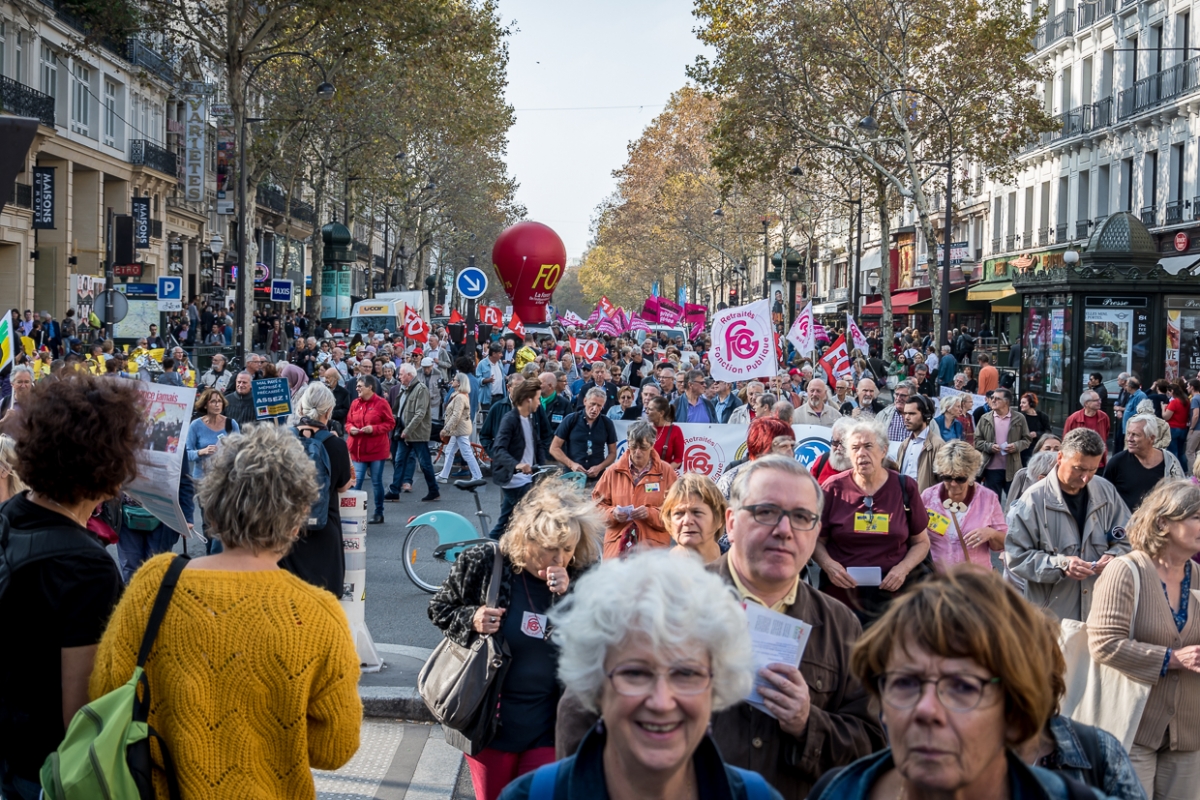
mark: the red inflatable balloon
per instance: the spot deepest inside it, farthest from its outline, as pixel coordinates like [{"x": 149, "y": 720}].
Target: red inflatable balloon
[{"x": 529, "y": 259}]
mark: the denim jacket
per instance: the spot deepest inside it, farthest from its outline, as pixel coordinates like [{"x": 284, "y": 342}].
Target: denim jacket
[
  {"x": 1027, "y": 783},
  {"x": 1113, "y": 773}
]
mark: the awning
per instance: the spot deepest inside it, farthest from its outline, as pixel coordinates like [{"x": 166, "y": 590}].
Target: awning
[
  {"x": 901, "y": 301},
  {"x": 1007, "y": 305},
  {"x": 991, "y": 291},
  {"x": 870, "y": 259},
  {"x": 827, "y": 308},
  {"x": 1177, "y": 264},
  {"x": 960, "y": 303}
]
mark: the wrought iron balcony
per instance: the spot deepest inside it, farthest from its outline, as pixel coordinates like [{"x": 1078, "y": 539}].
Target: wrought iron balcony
[
  {"x": 1059, "y": 27},
  {"x": 1174, "y": 212},
  {"x": 1159, "y": 88},
  {"x": 17, "y": 98},
  {"x": 1081, "y": 229},
  {"x": 277, "y": 201},
  {"x": 1060, "y": 233},
  {"x": 145, "y": 153},
  {"x": 1088, "y": 13},
  {"x": 1149, "y": 216},
  {"x": 140, "y": 54}
]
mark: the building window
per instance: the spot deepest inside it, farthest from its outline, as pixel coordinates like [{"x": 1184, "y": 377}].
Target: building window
[
  {"x": 19, "y": 56},
  {"x": 49, "y": 64},
  {"x": 110, "y": 113},
  {"x": 3, "y": 47},
  {"x": 81, "y": 105}
]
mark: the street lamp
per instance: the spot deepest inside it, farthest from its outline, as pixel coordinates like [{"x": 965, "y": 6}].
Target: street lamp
[
  {"x": 869, "y": 124},
  {"x": 245, "y": 279}
]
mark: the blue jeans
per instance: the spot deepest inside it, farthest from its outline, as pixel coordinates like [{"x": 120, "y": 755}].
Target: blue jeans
[
  {"x": 995, "y": 479},
  {"x": 508, "y": 501},
  {"x": 376, "y": 469},
  {"x": 408, "y": 456},
  {"x": 1179, "y": 448},
  {"x": 135, "y": 548}
]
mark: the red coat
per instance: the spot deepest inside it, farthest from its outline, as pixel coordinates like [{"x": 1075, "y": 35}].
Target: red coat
[{"x": 374, "y": 446}]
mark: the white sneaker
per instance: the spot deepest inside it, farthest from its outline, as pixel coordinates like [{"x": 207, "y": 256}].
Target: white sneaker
[{"x": 442, "y": 480}]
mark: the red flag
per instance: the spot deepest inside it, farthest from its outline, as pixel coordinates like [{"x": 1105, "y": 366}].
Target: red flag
[
  {"x": 836, "y": 360},
  {"x": 454, "y": 316},
  {"x": 606, "y": 307},
  {"x": 514, "y": 325},
  {"x": 415, "y": 327},
  {"x": 490, "y": 315},
  {"x": 587, "y": 350}
]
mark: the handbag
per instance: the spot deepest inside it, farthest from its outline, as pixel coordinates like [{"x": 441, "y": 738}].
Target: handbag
[
  {"x": 460, "y": 685},
  {"x": 1098, "y": 694}
]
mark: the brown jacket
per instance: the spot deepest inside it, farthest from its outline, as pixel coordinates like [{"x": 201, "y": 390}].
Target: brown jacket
[
  {"x": 926, "y": 476},
  {"x": 1018, "y": 434},
  {"x": 1173, "y": 707},
  {"x": 617, "y": 488},
  {"x": 841, "y": 727}
]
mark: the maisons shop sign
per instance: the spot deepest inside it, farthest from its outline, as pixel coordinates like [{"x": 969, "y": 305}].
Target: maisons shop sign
[{"x": 43, "y": 198}]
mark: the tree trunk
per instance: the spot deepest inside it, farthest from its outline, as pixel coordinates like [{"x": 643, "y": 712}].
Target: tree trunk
[{"x": 885, "y": 266}]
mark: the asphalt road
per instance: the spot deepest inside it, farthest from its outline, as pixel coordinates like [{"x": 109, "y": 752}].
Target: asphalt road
[{"x": 396, "y": 608}]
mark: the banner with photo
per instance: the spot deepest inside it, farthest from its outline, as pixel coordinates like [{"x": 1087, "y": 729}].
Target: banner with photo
[
  {"x": 710, "y": 449},
  {"x": 156, "y": 487},
  {"x": 977, "y": 400}
]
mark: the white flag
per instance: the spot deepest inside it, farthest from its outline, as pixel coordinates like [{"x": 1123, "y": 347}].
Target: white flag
[
  {"x": 802, "y": 334},
  {"x": 856, "y": 335},
  {"x": 743, "y": 343}
]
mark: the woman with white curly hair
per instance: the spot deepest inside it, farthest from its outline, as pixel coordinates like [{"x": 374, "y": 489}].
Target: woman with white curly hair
[
  {"x": 1145, "y": 460},
  {"x": 654, "y": 645}
]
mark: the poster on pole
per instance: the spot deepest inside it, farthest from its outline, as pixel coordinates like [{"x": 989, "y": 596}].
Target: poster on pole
[
  {"x": 743, "y": 343},
  {"x": 271, "y": 397},
  {"x": 156, "y": 487},
  {"x": 977, "y": 400}
]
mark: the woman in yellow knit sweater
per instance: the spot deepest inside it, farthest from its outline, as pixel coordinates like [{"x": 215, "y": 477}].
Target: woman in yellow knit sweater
[{"x": 253, "y": 675}]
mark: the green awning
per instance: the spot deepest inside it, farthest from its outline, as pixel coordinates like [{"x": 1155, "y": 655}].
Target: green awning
[
  {"x": 959, "y": 304},
  {"x": 991, "y": 291}
]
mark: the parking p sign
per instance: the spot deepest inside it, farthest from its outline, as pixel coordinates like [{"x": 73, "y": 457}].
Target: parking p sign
[
  {"x": 170, "y": 294},
  {"x": 281, "y": 291}
]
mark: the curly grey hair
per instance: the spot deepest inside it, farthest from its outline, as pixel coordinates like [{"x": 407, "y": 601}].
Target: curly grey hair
[
  {"x": 258, "y": 490},
  {"x": 867, "y": 427},
  {"x": 684, "y": 611}
]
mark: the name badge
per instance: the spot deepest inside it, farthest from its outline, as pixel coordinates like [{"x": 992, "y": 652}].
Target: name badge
[
  {"x": 651, "y": 487},
  {"x": 533, "y": 625},
  {"x": 556, "y": 418},
  {"x": 938, "y": 523},
  {"x": 871, "y": 523}
]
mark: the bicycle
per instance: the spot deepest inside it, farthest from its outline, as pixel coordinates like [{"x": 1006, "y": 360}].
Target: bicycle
[{"x": 435, "y": 539}]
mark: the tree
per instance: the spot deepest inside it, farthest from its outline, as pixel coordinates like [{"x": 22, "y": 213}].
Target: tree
[{"x": 796, "y": 76}]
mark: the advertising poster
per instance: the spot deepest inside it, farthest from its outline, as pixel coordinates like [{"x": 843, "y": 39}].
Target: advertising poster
[
  {"x": 1107, "y": 334},
  {"x": 156, "y": 487},
  {"x": 1056, "y": 352},
  {"x": 85, "y": 288},
  {"x": 1035, "y": 344},
  {"x": 1183, "y": 337}
]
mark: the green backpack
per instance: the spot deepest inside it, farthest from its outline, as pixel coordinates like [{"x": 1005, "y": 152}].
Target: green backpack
[{"x": 106, "y": 752}]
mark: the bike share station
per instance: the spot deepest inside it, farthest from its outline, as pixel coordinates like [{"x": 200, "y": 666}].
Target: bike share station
[{"x": 1130, "y": 302}]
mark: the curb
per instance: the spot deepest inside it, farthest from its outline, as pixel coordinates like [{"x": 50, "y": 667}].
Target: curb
[{"x": 398, "y": 702}]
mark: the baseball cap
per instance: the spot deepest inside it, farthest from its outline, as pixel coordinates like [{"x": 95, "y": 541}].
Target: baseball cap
[
  {"x": 794, "y": 371},
  {"x": 426, "y": 362}
]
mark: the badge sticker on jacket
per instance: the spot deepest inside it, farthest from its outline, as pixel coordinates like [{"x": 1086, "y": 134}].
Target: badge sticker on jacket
[
  {"x": 871, "y": 523},
  {"x": 938, "y": 523},
  {"x": 652, "y": 487},
  {"x": 556, "y": 418},
  {"x": 533, "y": 625}
]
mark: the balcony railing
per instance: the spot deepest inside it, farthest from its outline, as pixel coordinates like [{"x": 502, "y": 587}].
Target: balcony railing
[
  {"x": 1159, "y": 88},
  {"x": 1088, "y": 13},
  {"x": 1081, "y": 229},
  {"x": 1128, "y": 3},
  {"x": 276, "y": 200},
  {"x": 1043, "y": 237},
  {"x": 1027, "y": 239},
  {"x": 1149, "y": 216},
  {"x": 19, "y": 99},
  {"x": 1059, "y": 27},
  {"x": 1174, "y": 213},
  {"x": 145, "y": 153},
  {"x": 22, "y": 196},
  {"x": 140, "y": 54},
  {"x": 996, "y": 244},
  {"x": 1060, "y": 233},
  {"x": 1010, "y": 241}
]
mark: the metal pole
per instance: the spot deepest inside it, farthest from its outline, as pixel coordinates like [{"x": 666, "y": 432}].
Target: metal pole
[
  {"x": 245, "y": 275},
  {"x": 766, "y": 260},
  {"x": 945, "y": 293},
  {"x": 855, "y": 285},
  {"x": 109, "y": 279}
]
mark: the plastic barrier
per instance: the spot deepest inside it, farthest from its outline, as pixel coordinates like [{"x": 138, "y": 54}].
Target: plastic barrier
[{"x": 353, "y": 510}]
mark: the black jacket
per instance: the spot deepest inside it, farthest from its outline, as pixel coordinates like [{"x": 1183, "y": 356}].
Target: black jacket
[
  {"x": 559, "y": 407},
  {"x": 509, "y": 447},
  {"x": 341, "y": 404},
  {"x": 241, "y": 409},
  {"x": 609, "y": 388},
  {"x": 491, "y": 423}
]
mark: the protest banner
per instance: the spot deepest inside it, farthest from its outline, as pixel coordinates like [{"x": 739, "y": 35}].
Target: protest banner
[
  {"x": 490, "y": 315},
  {"x": 836, "y": 361},
  {"x": 709, "y": 449},
  {"x": 414, "y": 326},
  {"x": 743, "y": 343},
  {"x": 669, "y": 313},
  {"x": 587, "y": 351},
  {"x": 801, "y": 334},
  {"x": 516, "y": 326},
  {"x": 271, "y": 398},
  {"x": 977, "y": 400},
  {"x": 156, "y": 486},
  {"x": 856, "y": 335},
  {"x": 650, "y": 310}
]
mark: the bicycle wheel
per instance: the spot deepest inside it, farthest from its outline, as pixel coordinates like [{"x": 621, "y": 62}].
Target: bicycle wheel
[{"x": 423, "y": 568}]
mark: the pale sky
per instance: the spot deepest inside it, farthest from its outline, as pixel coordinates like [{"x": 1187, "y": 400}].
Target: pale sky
[{"x": 587, "y": 54}]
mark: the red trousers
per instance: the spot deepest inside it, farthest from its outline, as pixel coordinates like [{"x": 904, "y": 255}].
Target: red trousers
[{"x": 492, "y": 770}]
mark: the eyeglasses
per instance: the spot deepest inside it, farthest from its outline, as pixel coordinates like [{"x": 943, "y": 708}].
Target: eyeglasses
[
  {"x": 769, "y": 515},
  {"x": 869, "y": 502},
  {"x": 638, "y": 681},
  {"x": 953, "y": 478},
  {"x": 835, "y": 444},
  {"x": 960, "y": 693}
]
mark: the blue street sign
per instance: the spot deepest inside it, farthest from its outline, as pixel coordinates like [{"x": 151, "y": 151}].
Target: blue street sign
[
  {"x": 472, "y": 282},
  {"x": 170, "y": 294},
  {"x": 281, "y": 291}
]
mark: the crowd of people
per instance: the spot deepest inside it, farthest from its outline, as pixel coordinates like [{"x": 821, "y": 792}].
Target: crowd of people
[{"x": 935, "y": 551}]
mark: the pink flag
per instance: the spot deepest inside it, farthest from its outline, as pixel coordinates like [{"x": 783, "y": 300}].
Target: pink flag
[
  {"x": 636, "y": 323},
  {"x": 594, "y": 318},
  {"x": 802, "y": 334},
  {"x": 697, "y": 329},
  {"x": 610, "y": 326},
  {"x": 819, "y": 333},
  {"x": 669, "y": 313},
  {"x": 694, "y": 313},
  {"x": 856, "y": 335},
  {"x": 650, "y": 310}
]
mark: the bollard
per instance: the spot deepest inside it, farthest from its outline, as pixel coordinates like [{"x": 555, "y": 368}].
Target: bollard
[{"x": 353, "y": 509}]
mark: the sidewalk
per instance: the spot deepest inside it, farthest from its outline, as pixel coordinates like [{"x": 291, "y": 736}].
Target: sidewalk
[
  {"x": 397, "y": 761},
  {"x": 392, "y": 692}
]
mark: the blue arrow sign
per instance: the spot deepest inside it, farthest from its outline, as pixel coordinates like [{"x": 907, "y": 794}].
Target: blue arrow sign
[{"x": 472, "y": 282}]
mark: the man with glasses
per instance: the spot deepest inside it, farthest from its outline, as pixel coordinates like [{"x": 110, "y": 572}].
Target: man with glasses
[
  {"x": 843, "y": 395},
  {"x": 1001, "y": 435},
  {"x": 726, "y": 400},
  {"x": 816, "y": 716},
  {"x": 1072, "y": 510},
  {"x": 1091, "y": 417},
  {"x": 836, "y": 460},
  {"x": 692, "y": 405},
  {"x": 892, "y": 417}
]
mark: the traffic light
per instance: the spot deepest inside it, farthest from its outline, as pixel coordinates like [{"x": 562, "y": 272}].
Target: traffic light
[{"x": 733, "y": 297}]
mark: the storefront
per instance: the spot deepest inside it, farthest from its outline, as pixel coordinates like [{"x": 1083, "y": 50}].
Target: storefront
[{"x": 1116, "y": 309}]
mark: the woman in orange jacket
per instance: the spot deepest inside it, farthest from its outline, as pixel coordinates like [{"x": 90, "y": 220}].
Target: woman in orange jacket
[{"x": 630, "y": 494}]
